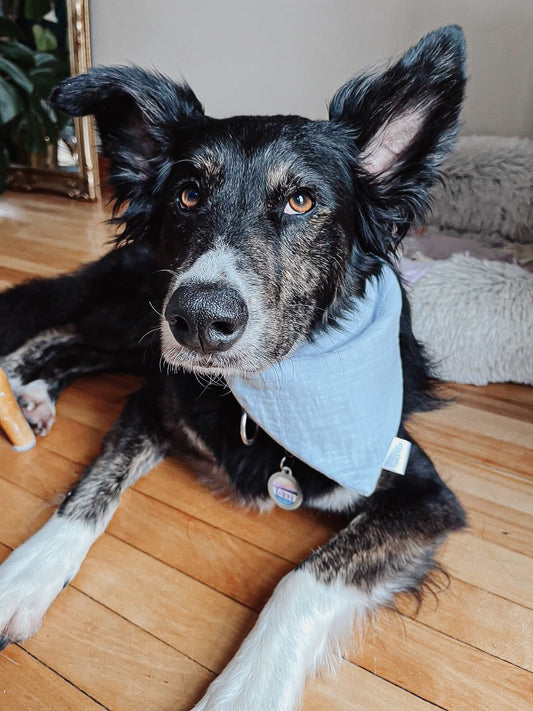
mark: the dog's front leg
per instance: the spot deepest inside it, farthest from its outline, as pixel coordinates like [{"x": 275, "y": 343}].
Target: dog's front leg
[
  {"x": 297, "y": 633},
  {"x": 387, "y": 549},
  {"x": 36, "y": 572}
]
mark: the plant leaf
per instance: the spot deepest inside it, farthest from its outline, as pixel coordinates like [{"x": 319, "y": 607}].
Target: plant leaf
[
  {"x": 44, "y": 80},
  {"x": 44, "y": 39},
  {"x": 35, "y": 9},
  {"x": 10, "y": 102},
  {"x": 42, "y": 59},
  {"x": 16, "y": 74},
  {"x": 4, "y": 168},
  {"x": 18, "y": 53},
  {"x": 34, "y": 137}
]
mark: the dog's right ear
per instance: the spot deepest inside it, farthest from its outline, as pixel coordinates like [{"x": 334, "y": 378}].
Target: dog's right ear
[{"x": 135, "y": 111}]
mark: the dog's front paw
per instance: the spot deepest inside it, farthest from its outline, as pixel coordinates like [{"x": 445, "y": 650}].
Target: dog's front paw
[
  {"x": 35, "y": 573},
  {"x": 37, "y": 406},
  {"x": 245, "y": 700},
  {"x": 240, "y": 689}
]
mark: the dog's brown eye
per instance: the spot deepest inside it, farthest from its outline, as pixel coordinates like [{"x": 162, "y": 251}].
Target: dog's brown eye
[
  {"x": 189, "y": 198},
  {"x": 299, "y": 203}
]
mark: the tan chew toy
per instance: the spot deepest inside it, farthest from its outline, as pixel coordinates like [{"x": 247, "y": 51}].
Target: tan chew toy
[{"x": 12, "y": 420}]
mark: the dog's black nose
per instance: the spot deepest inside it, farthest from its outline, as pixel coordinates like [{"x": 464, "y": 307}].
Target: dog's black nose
[{"x": 206, "y": 317}]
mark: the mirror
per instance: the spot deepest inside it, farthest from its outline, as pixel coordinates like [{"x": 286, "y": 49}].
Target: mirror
[{"x": 41, "y": 42}]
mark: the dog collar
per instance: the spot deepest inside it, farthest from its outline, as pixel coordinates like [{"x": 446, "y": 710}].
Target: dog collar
[{"x": 336, "y": 403}]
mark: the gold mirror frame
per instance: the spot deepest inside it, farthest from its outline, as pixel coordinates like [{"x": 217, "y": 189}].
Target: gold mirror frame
[{"x": 83, "y": 184}]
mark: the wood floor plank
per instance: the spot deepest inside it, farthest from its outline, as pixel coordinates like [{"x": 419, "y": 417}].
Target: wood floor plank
[
  {"x": 453, "y": 675},
  {"x": 28, "y": 685},
  {"x": 502, "y": 629},
  {"x": 509, "y": 399},
  {"x": 46, "y": 474},
  {"x": 504, "y": 487},
  {"x": 486, "y": 425},
  {"x": 244, "y": 572},
  {"x": 76, "y": 441},
  {"x": 463, "y": 658},
  {"x": 126, "y": 668},
  {"x": 10, "y": 277},
  {"x": 41, "y": 254},
  {"x": 491, "y": 567},
  {"x": 178, "y": 610},
  {"x": 27, "y": 267},
  {"x": 353, "y": 689},
  {"x": 52, "y": 695},
  {"x": 504, "y": 526},
  {"x": 22, "y": 514},
  {"x": 437, "y": 432},
  {"x": 483, "y": 620}
]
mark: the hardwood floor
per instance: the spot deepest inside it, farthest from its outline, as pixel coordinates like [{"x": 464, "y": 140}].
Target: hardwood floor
[{"x": 167, "y": 594}]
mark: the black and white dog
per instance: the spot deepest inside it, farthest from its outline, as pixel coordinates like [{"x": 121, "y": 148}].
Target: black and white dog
[{"x": 247, "y": 243}]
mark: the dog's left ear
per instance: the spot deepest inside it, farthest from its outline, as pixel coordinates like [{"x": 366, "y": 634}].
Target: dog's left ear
[{"x": 405, "y": 119}]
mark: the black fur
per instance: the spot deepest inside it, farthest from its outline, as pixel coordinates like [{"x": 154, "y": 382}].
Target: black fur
[{"x": 367, "y": 172}]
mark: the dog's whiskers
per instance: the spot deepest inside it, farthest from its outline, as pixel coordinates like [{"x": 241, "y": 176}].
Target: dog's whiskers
[
  {"x": 159, "y": 313},
  {"x": 172, "y": 272},
  {"x": 148, "y": 333}
]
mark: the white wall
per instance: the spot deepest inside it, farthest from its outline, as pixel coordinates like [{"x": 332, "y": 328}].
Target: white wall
[{"x": 289, "y": 56}]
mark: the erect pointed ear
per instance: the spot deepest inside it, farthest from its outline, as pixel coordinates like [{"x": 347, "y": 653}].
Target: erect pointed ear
[
  {"x": 135, "y": 111},
  {"x": 406, "y": 118}
]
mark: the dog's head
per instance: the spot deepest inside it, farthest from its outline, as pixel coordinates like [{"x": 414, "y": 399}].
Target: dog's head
[{"x": 269, "y": 226}]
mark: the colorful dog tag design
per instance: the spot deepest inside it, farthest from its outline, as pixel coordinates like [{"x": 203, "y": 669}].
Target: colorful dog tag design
[{"x": 284, "y": 490}]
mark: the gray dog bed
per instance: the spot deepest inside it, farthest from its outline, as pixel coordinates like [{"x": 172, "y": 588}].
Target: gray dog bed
[
  {"x": 475, "y": 315},
  {"x": 487, "y": 189},
  {"x": 476, "y": 319}
]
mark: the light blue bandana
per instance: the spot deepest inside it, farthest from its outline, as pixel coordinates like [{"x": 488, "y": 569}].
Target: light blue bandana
[{"x": 336, "y": 403}]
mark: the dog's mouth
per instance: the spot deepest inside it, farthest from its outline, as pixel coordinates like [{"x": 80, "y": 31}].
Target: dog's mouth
[
  {"x": 201, "y": 328},
  {"x": 214, "y": 333},
  {"x": 212, "y": 362}
]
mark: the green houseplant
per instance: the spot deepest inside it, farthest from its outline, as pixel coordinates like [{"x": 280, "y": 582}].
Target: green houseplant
[{"x": 29, "y": 69}]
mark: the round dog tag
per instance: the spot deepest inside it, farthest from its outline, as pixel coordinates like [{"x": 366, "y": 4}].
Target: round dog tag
[{"x": 284, "y": 490}]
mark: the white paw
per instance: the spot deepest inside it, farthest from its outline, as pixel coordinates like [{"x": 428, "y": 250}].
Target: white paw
[
  {"x": 301, "y": 629},
  {"x": 245, "y": 694},
  {"x": 246, "y": 686},
  {"x": 36, "y": 572},
  {"x": 36, "y": 406}
]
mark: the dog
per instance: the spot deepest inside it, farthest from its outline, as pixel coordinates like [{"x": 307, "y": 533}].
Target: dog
[{"x": 254, "y": 285}]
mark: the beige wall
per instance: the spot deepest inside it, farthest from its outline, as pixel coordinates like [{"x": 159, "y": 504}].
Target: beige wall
[{"x": 289, "y": 56}]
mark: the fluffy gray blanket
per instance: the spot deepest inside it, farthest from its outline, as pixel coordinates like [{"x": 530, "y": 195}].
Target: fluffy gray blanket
[{"x": 475, "y": 318}]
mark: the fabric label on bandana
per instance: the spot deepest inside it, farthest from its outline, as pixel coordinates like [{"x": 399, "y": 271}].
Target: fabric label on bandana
[
  {"x": 397, "y": 456},
  {"x": 336, "y": 403}
]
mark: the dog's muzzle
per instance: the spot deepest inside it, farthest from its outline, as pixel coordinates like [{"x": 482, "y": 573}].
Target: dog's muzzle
[{"x": 207, "y": 318}]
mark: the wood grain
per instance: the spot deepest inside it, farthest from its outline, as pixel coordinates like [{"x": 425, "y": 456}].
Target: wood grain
[{"x": 167, "y": 594}]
